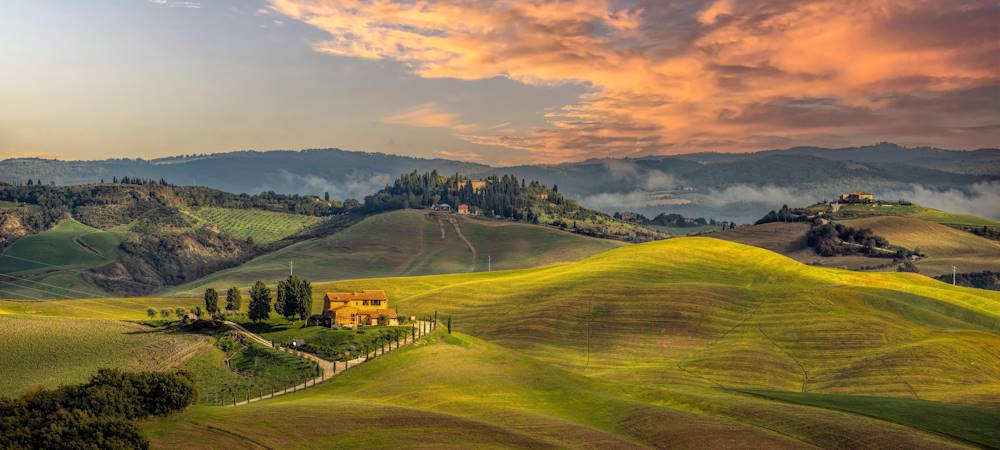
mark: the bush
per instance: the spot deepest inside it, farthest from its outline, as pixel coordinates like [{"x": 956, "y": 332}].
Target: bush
[{"x": 97, "y": 414}]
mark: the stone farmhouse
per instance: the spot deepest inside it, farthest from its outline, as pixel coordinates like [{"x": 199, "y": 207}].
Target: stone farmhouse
[
  {"x": 857, "y": 197},
  {"x": 358, "y": 308}
]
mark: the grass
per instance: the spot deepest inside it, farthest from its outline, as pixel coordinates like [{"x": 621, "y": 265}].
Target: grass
[
  {"x": 128, "y": 308},
  {"x": 251, "y": 369},
  {"x": 977, "y": 425},
  {"x": 263, "y": 226},
  {"x": 68, "y": 245},
  {"x": 54, "y": 351},
  {"x": 944, "y": 246},
  {"x": 858, "y": 210},
  {"x": 639, "y": 345},
  {"x": 4, "y": 204},
  {"x": 460, "y": 391},
  {"x": 726, "y": 314},
  {"x": 409, "y": 242}
]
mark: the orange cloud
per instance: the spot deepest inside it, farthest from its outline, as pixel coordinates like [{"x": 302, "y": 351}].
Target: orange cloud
[
  {"x": 430, "y": 115},
  {"x": 691, "y": 75}
]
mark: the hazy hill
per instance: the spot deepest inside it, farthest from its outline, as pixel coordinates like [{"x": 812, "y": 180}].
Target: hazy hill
[{"x": 724, "y": 186}]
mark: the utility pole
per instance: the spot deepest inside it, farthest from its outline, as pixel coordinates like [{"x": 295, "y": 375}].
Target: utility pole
[
  {"x": 489, "y": 263},
  {"x": 954, "y": 272},
  {"x": 291, "y": 268},
  {"x": 590, "y": 315}
]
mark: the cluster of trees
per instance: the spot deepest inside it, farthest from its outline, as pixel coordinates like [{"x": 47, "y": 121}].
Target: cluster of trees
[
  {"x": 505, "y": 196},
  {"x": 670, "y": 220},
  {"x": 98, "y": 414},
  {"x": 786, "y": 214},
  {"x": 294, "y": 298},
  {"x": 981, "y": 280},
  {"x": 830, "y": 239}
]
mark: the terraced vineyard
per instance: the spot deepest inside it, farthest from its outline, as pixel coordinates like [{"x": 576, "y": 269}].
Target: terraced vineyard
[{"x": 262, "y": 226}]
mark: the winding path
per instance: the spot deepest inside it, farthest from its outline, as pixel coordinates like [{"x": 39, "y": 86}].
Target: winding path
[{"x": 329, "y": 368}]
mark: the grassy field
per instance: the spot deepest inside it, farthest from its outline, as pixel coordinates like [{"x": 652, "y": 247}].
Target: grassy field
[
  {"x": 460, "y": 391},
  {"x": 858, "y": 210},
  {"x": 69, "y": 245},
  {"x": 700, "y": 310},
  {"x": 52, "y": 351},
  {"x": 641, "y": 345},
  {"x": 4, "y": 204},
  {"x": 973, "y": 424},
  {"x": 409, "y": 242},
  {"x": 262, "y": 226},
  {"x": 49, "y": 264},
  {"x": 945, "y": 246}
]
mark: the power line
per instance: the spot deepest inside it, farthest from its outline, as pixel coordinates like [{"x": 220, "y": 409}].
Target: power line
[
  {"x": 44, "y": 263},
  {"x": 90, "y": 294},
  {"x": 34, "y": 289},
  {"x": 23, "y": 295}
]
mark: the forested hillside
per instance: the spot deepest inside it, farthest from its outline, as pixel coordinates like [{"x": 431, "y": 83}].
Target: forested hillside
[{"x": 506, "y": 197}]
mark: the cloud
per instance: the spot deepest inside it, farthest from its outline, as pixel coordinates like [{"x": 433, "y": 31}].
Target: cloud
[
  {"x": 461, "y": 155},
  {"x": 769, "y": 195},
  {"x": 429, "y": 115},
  {"x": 981, "y": 199},
  {"x": 673, "y": 76},
  {"x": 177, "y": 4},
  {"x": 354, "y": 185}
]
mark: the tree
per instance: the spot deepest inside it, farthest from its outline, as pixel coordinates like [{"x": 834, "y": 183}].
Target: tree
[
  {"x": 326, "y": 196},
  {"x": 449, "y": 324},
  {"x": 294, "y": 298},
  {"x": 198, "y": 312},
  {"x": 260, "y": 302},
  {"x": 151, "y": 313},
  {"x": 234, "y": 300},
  {"x": 164, "y": 313},
  {"x": 211, "y": 301},
  {"x": 180, "y": 312}
]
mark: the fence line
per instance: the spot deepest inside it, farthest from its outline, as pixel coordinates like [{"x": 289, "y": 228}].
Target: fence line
[{"x": 419, "y": 330}]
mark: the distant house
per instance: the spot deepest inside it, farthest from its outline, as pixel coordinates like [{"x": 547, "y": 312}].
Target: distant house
[
  {"x": 298, "y": 343},
  {"x": 359, "y": 308},
  {"x": 857, "y": 197},
  {"x": 629, "y": 216},
  {"x": 463, "y": 209},
  {"x": 441, "y": 207}
]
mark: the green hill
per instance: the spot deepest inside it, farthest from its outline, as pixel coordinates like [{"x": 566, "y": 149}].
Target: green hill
[
  {"x": 643, "y": 345},
  {"x": 706, "y": 311},
  {"x": 52, "y": 262},
  {"x": 410, "y": 242}
]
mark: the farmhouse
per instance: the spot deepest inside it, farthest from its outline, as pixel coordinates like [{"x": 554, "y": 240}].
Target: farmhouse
[
  {"x": 463, "y": 209},
  {"x": 359, "y": 308},
  {"x": 856, "y": 197}
]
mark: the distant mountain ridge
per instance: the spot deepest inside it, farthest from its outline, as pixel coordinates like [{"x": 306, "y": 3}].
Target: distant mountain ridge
[{"x": 724, "y": 186}]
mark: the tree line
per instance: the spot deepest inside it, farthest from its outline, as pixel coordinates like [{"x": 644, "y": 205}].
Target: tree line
[{"x": 294, "y": 298}]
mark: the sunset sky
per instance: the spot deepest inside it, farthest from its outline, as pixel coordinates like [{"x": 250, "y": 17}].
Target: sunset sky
[{"x": 499, "y": 82}]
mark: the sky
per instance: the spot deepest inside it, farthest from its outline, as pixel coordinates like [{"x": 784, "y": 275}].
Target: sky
[{"x": 499, "y": 82}]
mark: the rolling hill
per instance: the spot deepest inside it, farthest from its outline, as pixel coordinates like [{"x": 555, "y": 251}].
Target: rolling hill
[
  {"x": 690, "y": 342},
  {"x": 410, "y": 242},
  {"x": 945, "y": 246},
  {"x": 54, "y": 260}
]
